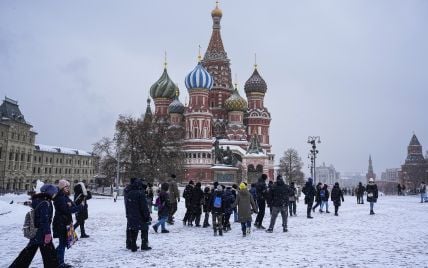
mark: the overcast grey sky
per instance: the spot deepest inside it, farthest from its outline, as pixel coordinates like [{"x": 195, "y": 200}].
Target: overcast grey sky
[{"x": 353, "y": 72}]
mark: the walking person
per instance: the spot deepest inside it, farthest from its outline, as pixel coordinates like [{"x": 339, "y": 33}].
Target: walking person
[
  {"x": 174, "y": 198},
  {"x": 246, "y": 205},
  {"x": 422, "y": 191},
  {"x": 317, "y": 196},
  {"x": 149, "y": 196},
  {"x": 64, "y": 208},
  {"x": 235, "y": 209},
  {"x": 228, "y": 199},
  {"x": 138, "y": 215},
  {"x": 336, "y": 197},
  {"x": 292, "y": 199},
  {"x": 309, "y": 192},
  {"x": 217, "y": 209},
  {"x": 81, "y": 196},
  {"x": 372, "y": 194},
  {"x": 324, "y": 195},
  {"x": 41, "y": 203},
  {"x": 399, "y": 190},
  {"x": 163, "y": 205},
  {"x": 196, "y": 204},
  {"x": 261, "y": 190},
  {"x": 279, "y": 196},
  {"x": 206, "y": 206},
  {"x": 360, "y": 193},
  {"x": 187, "y": 195}
]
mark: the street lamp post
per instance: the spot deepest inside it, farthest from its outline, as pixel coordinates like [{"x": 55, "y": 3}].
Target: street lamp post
[{"x": 313, "y": 140}]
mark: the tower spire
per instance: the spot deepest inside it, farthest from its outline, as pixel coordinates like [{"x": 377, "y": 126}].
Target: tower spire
[
  {"x": 165, "y": 63},
  {"x": 255, "y": 60}
]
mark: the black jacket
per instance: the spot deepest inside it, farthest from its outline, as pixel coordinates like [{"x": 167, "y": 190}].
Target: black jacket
[
  {"x": 279, "y": 194},
  {"x": 337, "y": 195},
  {"x": 137, "y": 211},
  {"x": 64, "y": 207},
  {"x": 372, "y": 192},
  {"x": 81, "y": 199},
  {"x": 309, "y": 192},
  {"x": 196, "y": 199},
  {"x": 261, "y": 189},
  {"x": 187, "y": 195},
  {"x": 42, "y": 217}
]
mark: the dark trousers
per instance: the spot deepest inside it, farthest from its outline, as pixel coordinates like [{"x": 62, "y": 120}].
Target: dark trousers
[
  {"x": 188, "y": 215},
  {"x": 292, "y": 208},
  {"x": 60, "y": 249},
  {"x": 197, "y": 218},
  {"x": 207, "y": 216},
  {"x": 317, "y": 204},
  {"x": 80, "y": 223},
  {"x": 218, "y": 222},
  {"x": 226, "y": 220},
  {"x": 27, "y": 254},
  {"x": 336, "y": 209},
  {"x": 261, "y": 214},
  {"x": 134, "y": 236},
  {"x": 309, "y": 209},
  {"x": 284, "y": 214},
  {"x": 172, "y": 212}
]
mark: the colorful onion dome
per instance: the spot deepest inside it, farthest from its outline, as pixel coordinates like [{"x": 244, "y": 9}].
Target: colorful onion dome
[
  {"x": 255, "y": 83},
  {"x": 176, "y": 106},
  {"x": 164, "y": 87},
  {"x": 235, "y": 102},
  {"x": 199, "y": 78}
]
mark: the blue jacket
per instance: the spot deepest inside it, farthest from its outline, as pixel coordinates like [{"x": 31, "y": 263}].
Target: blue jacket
[
  {"x": 64, "y": 207},
  {"x": 213, "y": 209},
  {"x": 42, "y": 217},
  {"x": 228, "y": 199},
  {"x": 137, "y": 210}
]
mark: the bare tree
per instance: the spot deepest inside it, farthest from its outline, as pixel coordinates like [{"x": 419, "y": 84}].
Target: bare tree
[{"x": 290, "y": 166}]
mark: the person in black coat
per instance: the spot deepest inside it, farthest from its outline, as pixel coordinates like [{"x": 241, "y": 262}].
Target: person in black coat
[
  {"x": 81, "y": 195},
  {"x": 324, "y": 195},
  {"x": 125, "y": 198},
  {"x": 318, "y": 200},
  {"x": 228, "y": 199},
  {"x": 261, "y": 190},
  {"x": 187, "y": 195},
  {"x": 309, "y": 192},
  {"x": 279, "y": 194},
  {"x": 196, "y": 203},
  {"x": 43, "y": 211},
  {"x": 217, "y": 209},
  {"x": 360, "y": 193},
  {"x": 372, "y": 194},
  {"x": 206, "y": 206},
  {"x": 138, "y": 215},
  {"x": 64, "y": 208},
  {"x": 292, "y": 199},
  {"x": 336, "y": 197},
  {"x": 235, "y": 209},
  {"x": 163, "y": 205}
]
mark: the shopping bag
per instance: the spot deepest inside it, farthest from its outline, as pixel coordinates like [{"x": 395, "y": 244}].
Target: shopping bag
[{"x": 71, "y": 236}]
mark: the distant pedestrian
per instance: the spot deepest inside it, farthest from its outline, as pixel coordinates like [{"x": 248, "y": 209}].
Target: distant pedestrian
[
  {"x": 324, "y": 195},
  {"x": 317, "y": 196},
  {"x": 292, "y": 199},
  {"x": 360, "y": 193},
  {"x": 261, "y": 191},
  {"x": 309, "y": 192},
  {"x": 174, "y": 197},
  {"x": 279, "y": 196},
  {"x": 196, "y": 204},
  {"x": 217, "y": 209},
  {"x": 246, "y": 205},
  {"x": 423, "y": 190},
  {"x": 150, "y": 196},
  {"x": 187, "y": 195},
  {"x": 43, "y": 210},
  {"x": 372, "y": 194},
  {"x": 206, "y": 206},
  {"x": 163, "y": 205},
  {"x": 336, "y": 197},
  {"x": 399, "y": 190}
]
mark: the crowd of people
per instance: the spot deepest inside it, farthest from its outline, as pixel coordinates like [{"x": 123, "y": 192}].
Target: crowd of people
[{"x": 141, "y": 201}]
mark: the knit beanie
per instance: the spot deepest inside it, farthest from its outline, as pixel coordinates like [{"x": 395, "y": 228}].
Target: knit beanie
[
  {"x": 242, "y": 186},
  {"x": 63, "y": 183}
]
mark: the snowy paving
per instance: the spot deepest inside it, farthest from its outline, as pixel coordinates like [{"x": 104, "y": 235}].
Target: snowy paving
[{"x": 396, "y": 236}]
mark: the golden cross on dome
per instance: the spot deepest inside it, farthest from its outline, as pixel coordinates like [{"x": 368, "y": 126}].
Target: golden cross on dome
[
  {"x": 236, "y": 81},
  {"x": 216, "y": 4},
  {"x": 165, "y": 63},
  {"x": 199, "y": 53}
]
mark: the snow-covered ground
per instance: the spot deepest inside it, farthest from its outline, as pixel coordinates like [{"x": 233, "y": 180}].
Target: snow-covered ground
[{"x": 397, "y": 236}]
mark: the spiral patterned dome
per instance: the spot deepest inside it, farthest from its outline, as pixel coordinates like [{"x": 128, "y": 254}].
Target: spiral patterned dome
[
  {"x": 176, "y": 106},
  {"x": 164, "y": 87},
  {"x": 199, "y": 78},
  {"x": 255, "y": 83},
  {"x": 235, "y": 102}
]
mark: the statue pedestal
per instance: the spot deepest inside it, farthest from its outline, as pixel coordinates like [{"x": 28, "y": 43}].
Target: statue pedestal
[{"x": 225, "y": 174}]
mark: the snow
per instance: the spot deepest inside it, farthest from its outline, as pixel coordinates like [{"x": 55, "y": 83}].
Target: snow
[
  {"x": 63, "y": 150},
  {"x": 396, "y": 236}
]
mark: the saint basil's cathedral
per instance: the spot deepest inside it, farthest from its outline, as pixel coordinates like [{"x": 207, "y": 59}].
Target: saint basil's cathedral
[{"x": 226, "y": 138}]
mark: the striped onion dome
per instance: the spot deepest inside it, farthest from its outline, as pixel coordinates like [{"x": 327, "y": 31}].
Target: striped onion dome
[
  {"x": 164, "y": 87},
  {"x": 176, "y": 106},
  {"x": 255, "y": 83},
  {"x": 235, "y": 102},
  {"x": 198, "y": 78}
]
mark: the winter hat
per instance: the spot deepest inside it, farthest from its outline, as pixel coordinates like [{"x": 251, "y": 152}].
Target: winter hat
[
  {"x": 173, "y": 176},
  {"x": 215, "y": 184},
  {"x": 165, "y": 186},
  {"x": 371, "y": 180},
  {"x": 191, "y": 182},
  {"x": 50, "y": 189},
  {"x": 198, "y": 184},
  {"x": 264, "y": 177},
  {"x": 310, "y": 180},
  {"x": 62, "y": 184},
  {"x": 336, "y": 184},
  {"x": 242, "y": 186}
]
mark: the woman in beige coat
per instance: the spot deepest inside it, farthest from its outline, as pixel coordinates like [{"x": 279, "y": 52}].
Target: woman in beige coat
[{"x": 246, "y": 206}]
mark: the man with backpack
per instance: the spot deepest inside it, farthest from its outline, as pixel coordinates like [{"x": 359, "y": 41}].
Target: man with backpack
[
  {"x": 217, "y": 209},
  {"x": 37, "y": 228}
]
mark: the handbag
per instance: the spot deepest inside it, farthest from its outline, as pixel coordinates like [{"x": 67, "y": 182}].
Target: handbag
[{"x": 71, "y": 236}]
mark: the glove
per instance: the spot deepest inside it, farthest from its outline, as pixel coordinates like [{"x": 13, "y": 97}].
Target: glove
[
  {"x": 178, "y": 200},
  {"x": 48, "y": 238},
  {"x": 149, "y": 221}
]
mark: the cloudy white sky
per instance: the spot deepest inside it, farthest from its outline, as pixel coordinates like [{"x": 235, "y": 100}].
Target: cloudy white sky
[{"x": 353, "y": 72}]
